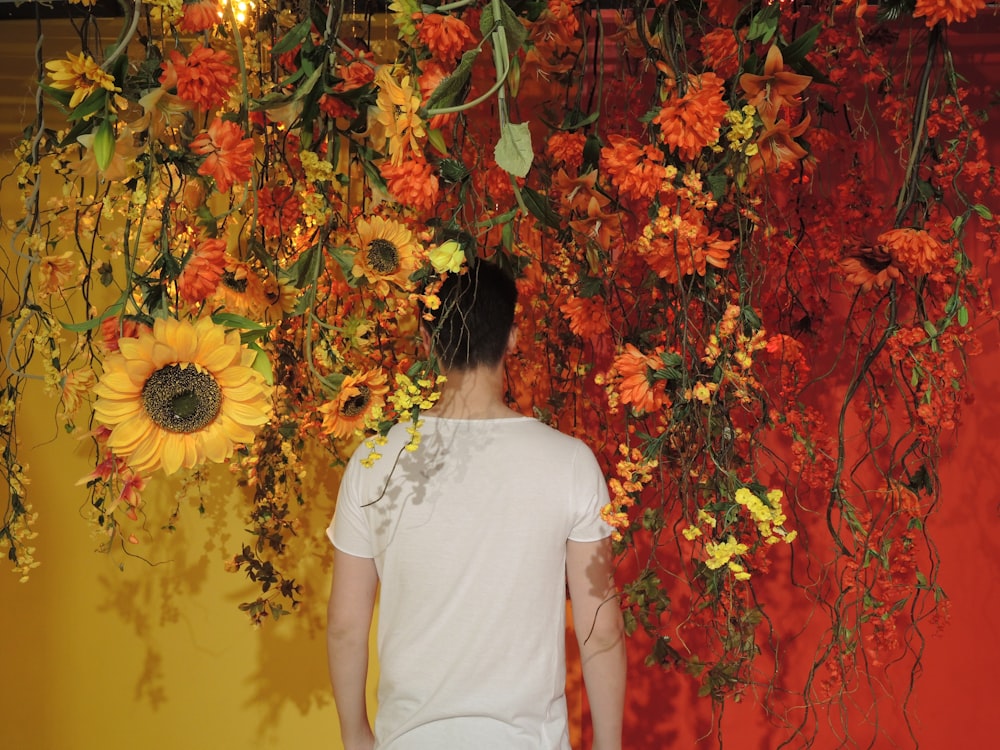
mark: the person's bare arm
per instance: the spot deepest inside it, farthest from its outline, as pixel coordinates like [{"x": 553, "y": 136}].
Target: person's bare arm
[
  {"x": 349, "y": 619},
  {"x": 597, "y": 620}
]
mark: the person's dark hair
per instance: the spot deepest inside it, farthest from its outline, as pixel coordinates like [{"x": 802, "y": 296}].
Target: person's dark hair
[{"x": 473, "y": 323}]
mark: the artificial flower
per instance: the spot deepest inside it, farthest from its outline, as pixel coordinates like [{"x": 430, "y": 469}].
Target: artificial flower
[
  {"x": 690, "y": 122},
  {"x": 203, "y": 78},
  {"x": 637, "y": 170},
  {"x": 228, "y": 154},
  {"x": 179, "y": 395},
  {"x": 387, "y": 253},
  {"x": 950, "y": 11},
  {"x": 872, "y": 268},
  {"x": 638, "y": 386},
  {"x": 777, "y": 148},
  {"x": 414, "y": 183},
  {"x": 446, "y": 36},
  {"x": 776, "y": 88},
  {"x": 914, "y": 250},
  {"x": 399, "y": 125},
  {"x": 447, "y": 257},
  {"x": 199, "y": 15},
  {"x": 80, "y": 74},
  {"x": 57, "y": 273},
  {"x": 202, "y": 272},
  {"x": 360, "y": 398}
]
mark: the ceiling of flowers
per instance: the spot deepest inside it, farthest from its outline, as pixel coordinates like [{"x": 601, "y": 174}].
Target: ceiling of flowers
[{"x": 748, "y": 236}]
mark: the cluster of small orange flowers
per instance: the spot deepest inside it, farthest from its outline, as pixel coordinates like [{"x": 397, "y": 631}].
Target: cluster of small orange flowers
[{"x": 634, "y": 471}]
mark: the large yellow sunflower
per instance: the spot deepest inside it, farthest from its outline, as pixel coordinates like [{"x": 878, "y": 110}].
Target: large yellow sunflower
[
  {"x": 359, "y": 401},
  {"x": 388, "y": 253},
  {"x": 180, "y": 394}
]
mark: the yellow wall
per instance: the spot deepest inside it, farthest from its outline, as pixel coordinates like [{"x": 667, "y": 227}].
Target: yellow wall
[{"x": 108, "y": 651}]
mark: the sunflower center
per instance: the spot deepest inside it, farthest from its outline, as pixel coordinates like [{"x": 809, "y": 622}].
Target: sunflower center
[
  {"x": 234, "y": 283},
  {"x": 356, "y": 405},
  {"x": 383, "y": 257},
  {"x": 181, "y": 399}
]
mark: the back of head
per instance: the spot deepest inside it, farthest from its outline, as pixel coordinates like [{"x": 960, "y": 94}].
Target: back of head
[{"x": 472, "y": 326}]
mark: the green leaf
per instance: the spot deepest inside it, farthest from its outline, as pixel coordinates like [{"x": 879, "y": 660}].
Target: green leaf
[
  {"x": 295, "y": 36},
  {"x": 238, "y": 322},
  {"x": 931, "y": 329},
  {"x": 89, "y": 106},
  {"x": 89, "y": 325},
  {"x": 452, "y": 89},
  {"x": 539, "y": 207},
  {"x": 513, "y": 152},
  {"x": 797, "y": 50},
  {"x": 963, "y": 316},
  {"x": 512, "y": 26},
  {"x": 764, "y": 24},
  {"x": 984, "y": 212},
  {"x": 261, "y": 363},
  {"x": 104, "y": 145}
]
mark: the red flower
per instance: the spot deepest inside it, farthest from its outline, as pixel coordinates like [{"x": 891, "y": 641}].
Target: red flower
[
  {"x": 636, "y": 170},
  {"x": 949, "y": 11},
  {"x": 228, "y": 155},
  {"x": 279, "y": 209},
  {"x": 203, "y": 78}
]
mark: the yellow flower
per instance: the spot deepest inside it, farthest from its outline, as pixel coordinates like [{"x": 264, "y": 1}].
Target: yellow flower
[
  {"x": 80, "y": 74},
  {"x": 720, "y": 553},
  {"x": 358, "y": 404},
  {"x": 181, "y": 394},
  {"x": 691, "y": 533},
  {"x": 448, "y": 256},
  {"x": 397, "y": 109},
  {"x": 388, "y": 253}
]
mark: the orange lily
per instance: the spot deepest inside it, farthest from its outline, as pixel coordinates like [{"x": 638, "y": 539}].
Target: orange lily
[
  {"x": 776, "y": 146},
  {"x": 776, "y": 87}
]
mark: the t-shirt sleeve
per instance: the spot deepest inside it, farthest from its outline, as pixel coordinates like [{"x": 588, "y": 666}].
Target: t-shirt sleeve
[
  {"x": 590, "y": 494},
  {"x": 349, "y": 531}
]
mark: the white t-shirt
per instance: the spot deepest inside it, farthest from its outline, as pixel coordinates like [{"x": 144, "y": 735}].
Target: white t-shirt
[{"x": 468, "y": 534}]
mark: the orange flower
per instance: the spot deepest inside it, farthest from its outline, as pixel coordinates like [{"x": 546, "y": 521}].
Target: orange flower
[
  {"x": 566, "y": 150},
  {"x": 228, "y": 155},
  {"x": 203, "y": 78},
  {"x": 721, "y": 50},
  {"x": 203, "y": 271},
  {"x": 690, "y": 122},
  {"x": 360, "y": 400},
  {"x": 587, "y": 316},
  {"x": 681, "y": 245},
  {"x": 353, "y": 76},
  {"x": 413, "y": 183},
  {"x": 914, "y": 250},
  {"x": 777, "y": 87},
  {"x": 431, "y": 74},
  {"x": 636, "y": 170},
  {"x": 870, "y": 269},
  {"x": 638, "y": 387},
  {"x": 777, "y": 149},
  {"x": 949, "y": 11},
  {"x": 598, "y": 225},
  {"x": 199, "y": 15},
  {"x": 279, "y": 209},
  {"x": 76, "y": 384},
  {"x": 57, "y": 273},
  {"x": 446, "y": 36},
  {"x": 113, "y": 329}
]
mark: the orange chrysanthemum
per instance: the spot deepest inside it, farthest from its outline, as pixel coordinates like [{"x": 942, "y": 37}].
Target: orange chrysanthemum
[
  {"x": 279, "y": 209},
  {"x": 358, "y": 403},
  {"x": 588, "y": 318},
  {"x": 638, "y": 386},
  {"x": 566, "y": 150},
  {"x": 722, "y": 50},
  {"x": 682, "y": 245},
  {"x": 179, "y": 395},
  {"x": 691, "y": 122},
  {"x": 914, "y": 250},
  {"x": 202, "y": 273},
  {"x": 228, "y": 155},
  {"x": 414, "y": 183},
  {"x": 446, "y": 36},
  {"x": 203, "y": 78},
  {"x": 949, "y": 11},
  {"x": 636, "y": 170},
  {"x": 870, "y": 269},
  {"x": 199, "y": 16}
]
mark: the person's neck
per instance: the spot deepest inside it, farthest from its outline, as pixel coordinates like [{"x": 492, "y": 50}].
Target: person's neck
[{"x": 473, "y": 394}]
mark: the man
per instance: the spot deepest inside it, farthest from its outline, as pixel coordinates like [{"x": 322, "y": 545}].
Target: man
[{"x": 472, "y": 538}]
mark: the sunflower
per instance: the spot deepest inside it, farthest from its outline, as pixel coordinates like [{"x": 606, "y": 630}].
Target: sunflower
[
  {"x": 360, "y": 400},
  {"x": 388, "y": 253},
  {"x": 179, "y": 394}
]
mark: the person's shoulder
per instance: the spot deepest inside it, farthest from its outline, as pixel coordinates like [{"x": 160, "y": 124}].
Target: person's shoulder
[{"x": 555, "y": 437}]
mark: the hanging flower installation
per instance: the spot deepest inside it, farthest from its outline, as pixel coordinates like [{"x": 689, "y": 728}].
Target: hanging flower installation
[{"x": 232, "y": 226}]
